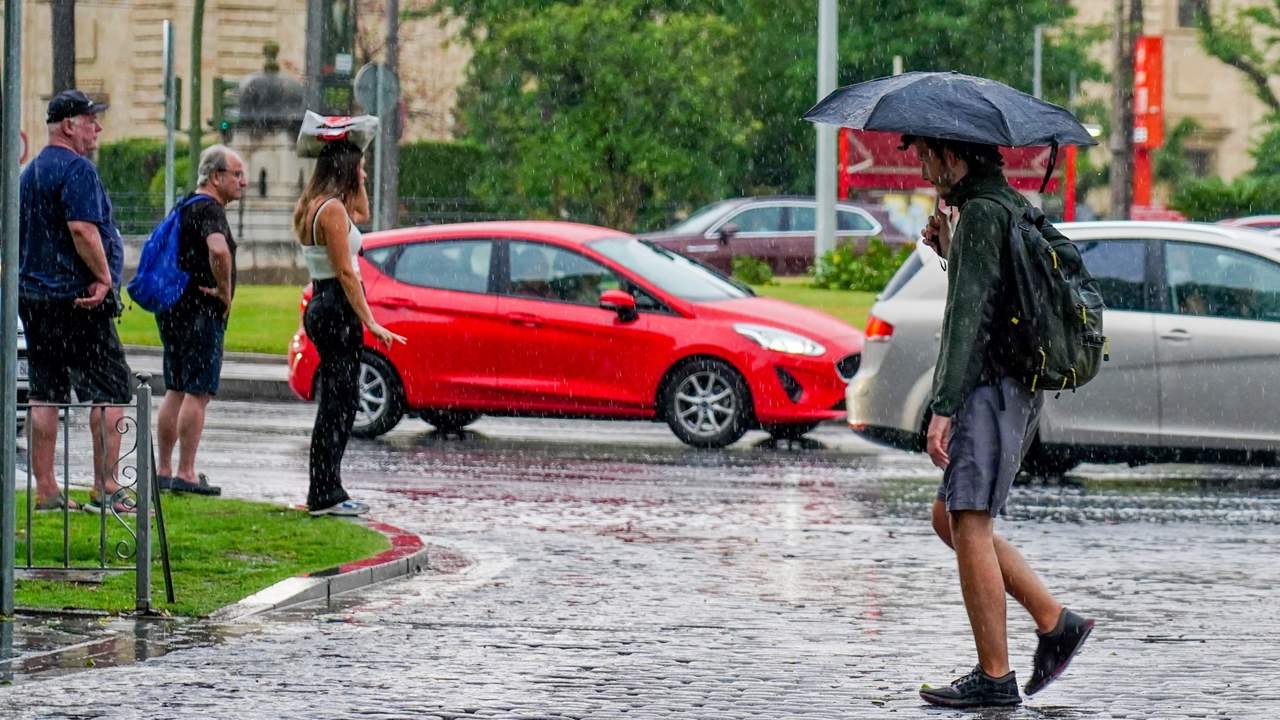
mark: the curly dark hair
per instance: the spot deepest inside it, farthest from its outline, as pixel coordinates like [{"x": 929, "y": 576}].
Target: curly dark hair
[{"x": 977, "y": 156}]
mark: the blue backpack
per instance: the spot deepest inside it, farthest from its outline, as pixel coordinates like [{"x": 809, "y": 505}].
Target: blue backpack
[{"x": 159, "y": 282}]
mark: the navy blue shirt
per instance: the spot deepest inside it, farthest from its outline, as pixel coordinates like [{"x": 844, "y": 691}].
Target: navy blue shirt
[{"x": 57, "y": 187}]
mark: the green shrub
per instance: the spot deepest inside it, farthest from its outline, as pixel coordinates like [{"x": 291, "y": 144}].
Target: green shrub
[
  {"x": 127, "y": 166},
  {"x": 1211, "y": 199},
  {"x": 844, "y": 268},
  {"x": 181, "y": 170},
  {"x": 752, "y": 271},
  {"x": 431, "y": 169}
]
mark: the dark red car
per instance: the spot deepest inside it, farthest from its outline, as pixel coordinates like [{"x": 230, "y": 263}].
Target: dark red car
[
  {"x": 549, "y": 318},
  {"x": 776, "y": 229}
]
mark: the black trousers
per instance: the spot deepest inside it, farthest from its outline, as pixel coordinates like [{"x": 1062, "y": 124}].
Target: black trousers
[{"x": 336, "y": 331}]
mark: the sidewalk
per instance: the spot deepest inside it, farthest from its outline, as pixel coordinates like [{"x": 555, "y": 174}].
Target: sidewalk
[
  {"x": 245, "y": 376},
  {"x": 43, "y": 642}
]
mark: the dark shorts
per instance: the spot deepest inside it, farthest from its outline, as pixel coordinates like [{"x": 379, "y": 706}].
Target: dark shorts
[
  {"x": 70, "y": 347},
  {"x": 192, "y": 351},
  {"x": 988, "y": 443}
]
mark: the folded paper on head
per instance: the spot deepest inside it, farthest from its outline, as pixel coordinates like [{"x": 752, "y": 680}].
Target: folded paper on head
[{"x": 319, "y": 130}]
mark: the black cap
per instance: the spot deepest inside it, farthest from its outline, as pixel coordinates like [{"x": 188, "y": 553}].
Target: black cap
[{"x": 70, "y": 103}]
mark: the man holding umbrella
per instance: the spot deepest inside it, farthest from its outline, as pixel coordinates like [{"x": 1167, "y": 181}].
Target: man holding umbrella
[{"x": 982, "y": 418}]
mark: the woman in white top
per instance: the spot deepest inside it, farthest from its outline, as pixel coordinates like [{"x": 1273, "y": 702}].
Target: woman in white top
[{"x": 324, "y": 221}]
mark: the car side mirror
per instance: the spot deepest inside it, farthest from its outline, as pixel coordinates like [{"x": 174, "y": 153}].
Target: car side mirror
[
  {"x": 623, "y": 303},
  {"x": 727, "y": 231}
]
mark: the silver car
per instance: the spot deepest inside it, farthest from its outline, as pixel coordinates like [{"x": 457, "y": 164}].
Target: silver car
[{"x": 1193, "y": 317}]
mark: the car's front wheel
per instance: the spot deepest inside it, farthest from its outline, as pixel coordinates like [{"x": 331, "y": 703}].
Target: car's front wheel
[
  {"x": 449, "y": 421},
  {"x": 381, "y": 400},
  {"x": 707, "y": 404}
]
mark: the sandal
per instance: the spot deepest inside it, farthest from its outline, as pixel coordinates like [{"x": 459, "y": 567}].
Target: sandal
[
  {"x": 57, "y": 502},
  {"x": 121, "y": 503}
]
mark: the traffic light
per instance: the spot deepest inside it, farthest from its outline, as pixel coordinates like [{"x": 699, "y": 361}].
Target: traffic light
[{"x": 226, "y": 106}]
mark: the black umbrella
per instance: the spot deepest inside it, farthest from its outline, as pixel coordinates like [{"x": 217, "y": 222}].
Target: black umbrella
[{"x": 952, "y": 106}]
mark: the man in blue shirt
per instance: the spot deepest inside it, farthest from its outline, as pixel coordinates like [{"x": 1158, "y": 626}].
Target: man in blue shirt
[{"x": 70, "y": 260}]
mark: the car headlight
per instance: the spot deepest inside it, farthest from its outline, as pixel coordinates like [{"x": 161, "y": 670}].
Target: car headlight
[{"x": 779, "y": 340}]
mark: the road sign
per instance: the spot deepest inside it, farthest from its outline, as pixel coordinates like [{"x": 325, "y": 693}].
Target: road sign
[{"x": 366, "y": 88}]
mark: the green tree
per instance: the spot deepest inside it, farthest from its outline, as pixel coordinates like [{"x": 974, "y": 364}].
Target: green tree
[
  {"x": 1246, "y": 39},
  {"x": 604, "y": 110}
]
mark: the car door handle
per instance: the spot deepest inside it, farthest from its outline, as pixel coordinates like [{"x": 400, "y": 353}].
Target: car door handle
[
  {"x": 395, "y": 302},
  {"x": 524, "y": 319},
  {"x": 1177, "y": 335}
]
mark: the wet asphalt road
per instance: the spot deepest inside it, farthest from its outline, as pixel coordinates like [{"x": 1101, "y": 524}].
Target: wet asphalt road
[{"x": 602, "y": 570}]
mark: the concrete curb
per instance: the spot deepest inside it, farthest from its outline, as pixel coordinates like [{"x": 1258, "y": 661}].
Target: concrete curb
[
  {"x": 245, "y": 376},
  {"x": 407, "y": 556}
]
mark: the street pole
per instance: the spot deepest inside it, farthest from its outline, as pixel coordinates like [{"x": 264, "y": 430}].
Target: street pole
[
  {"x": 195, "y": 130},
  {"x": 314, "y": 53},
  {"x": 170, "y": 118},
  {"x": 10, "y": 152},
  {"x": 1037, "y": 58},
  {"x": 379, "y": 84},
  {"x": 1127, "y": 22},
  {"x": 390, "y": 128},
  {"x": 62, "y": 16},
  {"x": 824, "y": 238}
]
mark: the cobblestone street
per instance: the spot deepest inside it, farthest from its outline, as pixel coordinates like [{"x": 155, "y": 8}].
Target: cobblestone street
[{"x": 580, "y": 575}]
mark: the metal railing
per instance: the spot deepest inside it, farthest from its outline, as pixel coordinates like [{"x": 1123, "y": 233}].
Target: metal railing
[{"x": 120, "y": 538}]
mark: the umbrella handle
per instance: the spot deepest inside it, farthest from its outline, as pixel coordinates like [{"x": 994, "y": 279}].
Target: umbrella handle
[{"x": 1053, "y": 160}]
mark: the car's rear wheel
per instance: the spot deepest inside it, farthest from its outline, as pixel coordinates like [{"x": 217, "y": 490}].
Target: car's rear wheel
[
  {"x": 707, "y": 404},
  {"x": 449, "y": 421},
  {"x": 381, "y": 400},
  {"x": 1048, "y": 462},
  {"x": 790, "y": 431}
]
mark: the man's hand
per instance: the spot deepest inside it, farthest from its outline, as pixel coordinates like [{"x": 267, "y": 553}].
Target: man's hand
[
  {"x": 222, "y": 294},
  {"x": 938, "y": 438},
  {"x": 97, "y": 293},
  {"x": 937, "y": 233}
]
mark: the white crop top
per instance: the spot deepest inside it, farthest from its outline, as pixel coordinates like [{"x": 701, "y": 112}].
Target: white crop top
[{"x": 317, "y": 256}]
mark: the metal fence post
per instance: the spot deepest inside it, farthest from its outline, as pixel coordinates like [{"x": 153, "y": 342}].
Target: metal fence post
[{"x": 143, "y": 488}]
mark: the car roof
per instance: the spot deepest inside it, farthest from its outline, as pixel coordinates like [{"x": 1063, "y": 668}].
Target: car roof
[
  {"x": 564, "y": 232},
  {"x": 1241, "y": 238}
]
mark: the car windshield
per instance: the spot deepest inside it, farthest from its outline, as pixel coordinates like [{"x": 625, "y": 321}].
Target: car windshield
[
  {"x": 670, "y": 271},
  {"x": 700, "y": 219}
]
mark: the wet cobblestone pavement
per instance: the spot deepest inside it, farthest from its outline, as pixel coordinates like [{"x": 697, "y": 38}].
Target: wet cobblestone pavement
[{"x": 590, "y": 570}]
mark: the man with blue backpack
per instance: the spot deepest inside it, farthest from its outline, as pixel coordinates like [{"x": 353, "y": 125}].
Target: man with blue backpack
[{"x": 187, "y": 278}]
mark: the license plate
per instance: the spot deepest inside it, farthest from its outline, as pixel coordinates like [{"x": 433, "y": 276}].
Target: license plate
[{"x": 22, "y": 369}]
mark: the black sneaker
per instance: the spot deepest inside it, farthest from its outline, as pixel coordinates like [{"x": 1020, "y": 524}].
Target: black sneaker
[
  {"x": 977, "y": 689},
  {"x": 1056, "y": 649}
]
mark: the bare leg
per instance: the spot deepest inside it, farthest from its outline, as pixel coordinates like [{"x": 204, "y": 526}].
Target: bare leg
[
  {"x": 982, "y": 585},
  {"x": 167, "y": 431},
  {"x": 1020, "y": 581},
  {"x": 103, "y": 422},
  {"x": 190, "y": 427},
  {"x": 43, "y": 437}
]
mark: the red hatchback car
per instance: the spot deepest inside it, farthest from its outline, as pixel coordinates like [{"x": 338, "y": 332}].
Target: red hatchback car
[{"x": 560, "y": 319}]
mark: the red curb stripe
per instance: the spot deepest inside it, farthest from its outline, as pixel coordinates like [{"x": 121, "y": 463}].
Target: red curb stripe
[{"x": 403, "y": 544}]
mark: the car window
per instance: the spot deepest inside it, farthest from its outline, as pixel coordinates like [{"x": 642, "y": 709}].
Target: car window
[
  {"x": 1119, "y": 266},
  {"x": 546, "y": 272},
  {"x": 379, "y": 257},
  {"x": 758, "y": 219},
  {"x": 670, "y": 271},
  {"x": 447, "y": 265},
  {"x": 701, "y": 218},
  {"x": 849, "y": 220},
  {"x": 1220, "y": 282}
]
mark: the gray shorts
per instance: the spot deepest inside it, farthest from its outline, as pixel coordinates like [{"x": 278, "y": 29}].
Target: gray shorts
[{"x": 987, "y": 446}]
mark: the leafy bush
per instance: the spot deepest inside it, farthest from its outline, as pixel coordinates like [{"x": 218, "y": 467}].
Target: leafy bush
[
  {"x": 431, "y": 169},
  {"x": 181, "y": 171},
  {"x": 127, "y": 166},
  {"x": 1211, "y": 199},
  {"x": 752, "y": 271},
  {"x": 844, "y": 268}
]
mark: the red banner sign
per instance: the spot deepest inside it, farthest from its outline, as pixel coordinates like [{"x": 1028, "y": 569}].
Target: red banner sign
[
  {"x": 872, "y": 161},
  {"x": 1148, "y": 92}
]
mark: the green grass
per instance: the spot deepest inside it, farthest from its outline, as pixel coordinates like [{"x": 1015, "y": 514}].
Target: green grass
[
  {"x": 221, "y": 550},
  {"x": 263, "y": 319},
  {"x": 850, "y": 306}
]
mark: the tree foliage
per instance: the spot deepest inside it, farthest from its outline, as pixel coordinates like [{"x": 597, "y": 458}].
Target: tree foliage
[
  {"x": 1233, "y": 36},
  {"x": 634, "y": 106}
]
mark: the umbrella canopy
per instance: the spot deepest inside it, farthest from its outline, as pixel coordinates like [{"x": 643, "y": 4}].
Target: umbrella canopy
[{"x": 950, "y": 106}]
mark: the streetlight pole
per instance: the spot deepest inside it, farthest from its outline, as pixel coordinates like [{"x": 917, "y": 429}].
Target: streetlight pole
[
  {"x": 824, "y": 238},
  {"x": 10, "y": 152}
]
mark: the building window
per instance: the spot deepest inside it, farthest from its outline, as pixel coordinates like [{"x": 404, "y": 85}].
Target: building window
[
  {"x": 1201, "y": 162},
  {"x": 1189, "y": 11}
]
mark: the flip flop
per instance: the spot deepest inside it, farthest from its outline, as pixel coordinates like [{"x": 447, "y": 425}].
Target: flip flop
[
  {"x": 57, "y": 502},
  {"x": 121, "y": 503}
]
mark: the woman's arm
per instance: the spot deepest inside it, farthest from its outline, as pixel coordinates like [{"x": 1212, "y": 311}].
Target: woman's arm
[
  {"x": 333, "y": 228},
  {"x": 358, "y": 204}
]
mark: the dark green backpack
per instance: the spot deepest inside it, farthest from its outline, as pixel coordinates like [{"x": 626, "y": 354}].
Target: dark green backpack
[{"x": 1053, "y": 306}]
